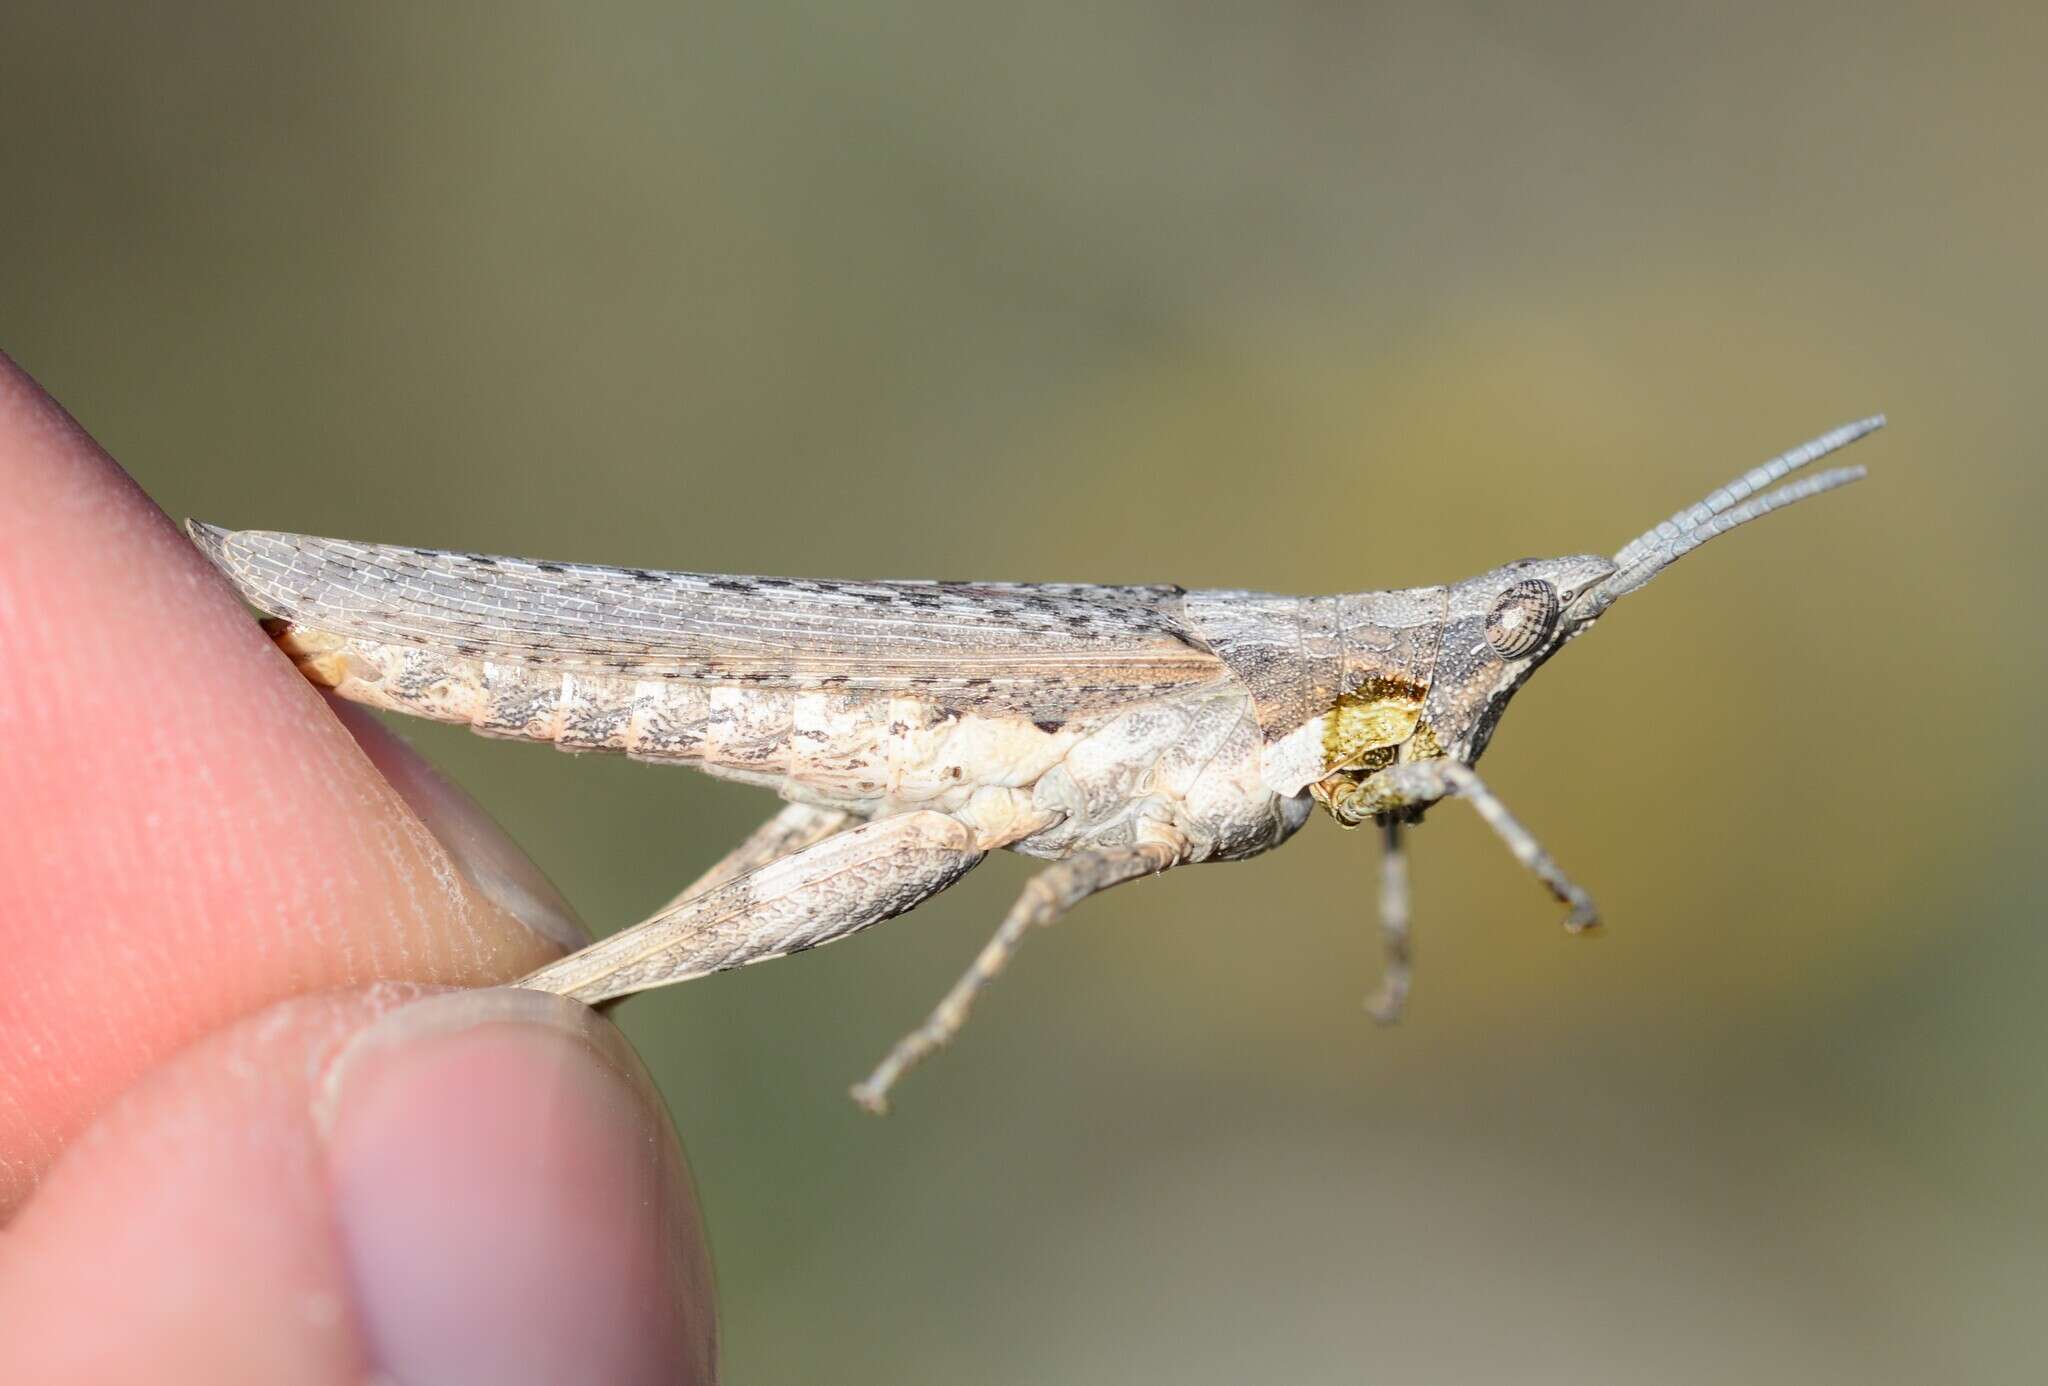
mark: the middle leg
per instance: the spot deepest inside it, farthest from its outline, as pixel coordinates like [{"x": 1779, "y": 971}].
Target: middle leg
[
  {"x": 1386, "y": 1003},
  {"x": 1047, "y": 896}
]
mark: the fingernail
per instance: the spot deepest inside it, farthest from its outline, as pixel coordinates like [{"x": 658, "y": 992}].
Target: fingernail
[
  {"x": 492, "y": 862},
  {"x": 512, "y": 1201}
]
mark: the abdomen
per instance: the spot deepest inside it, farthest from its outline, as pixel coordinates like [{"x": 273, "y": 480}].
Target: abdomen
[{"x": 868, "y": 751}]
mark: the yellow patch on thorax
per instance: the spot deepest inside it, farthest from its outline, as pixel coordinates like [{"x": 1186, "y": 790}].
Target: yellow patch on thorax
[
  {"x": 1423, "y": 745},
  {"x": 1369, "y": 721}
]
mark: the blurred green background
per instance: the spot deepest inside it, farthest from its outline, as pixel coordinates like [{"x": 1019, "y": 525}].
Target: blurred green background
[{"x": 1304, "y": 297}]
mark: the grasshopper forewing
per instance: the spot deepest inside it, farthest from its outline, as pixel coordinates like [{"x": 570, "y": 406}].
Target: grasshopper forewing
[{"x": 913, "y": 727}]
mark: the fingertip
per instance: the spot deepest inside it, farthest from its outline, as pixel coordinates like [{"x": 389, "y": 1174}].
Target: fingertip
[
  {"x": 511, "y": 1199},
  {"x": 386, "y": 1184},
  {"x": 496, "y": 865},
  {"x": 186, "y": 1234},
  {"x": 186, "y": 835}
]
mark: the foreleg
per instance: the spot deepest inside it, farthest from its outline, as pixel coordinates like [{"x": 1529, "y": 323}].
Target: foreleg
[{"x": 1400, "y": 789}]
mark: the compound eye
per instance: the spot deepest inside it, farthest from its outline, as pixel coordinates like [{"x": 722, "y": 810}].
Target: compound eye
[{"x": 1522, "y": 618}]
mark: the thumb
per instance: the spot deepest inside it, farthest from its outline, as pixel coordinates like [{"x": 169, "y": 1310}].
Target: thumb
[{"x": 452, "y": 1187}]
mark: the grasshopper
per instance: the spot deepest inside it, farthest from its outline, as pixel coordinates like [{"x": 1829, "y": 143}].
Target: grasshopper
[{"x": 914, "y": 727}]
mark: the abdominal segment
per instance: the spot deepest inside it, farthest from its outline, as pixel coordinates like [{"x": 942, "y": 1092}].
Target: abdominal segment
[{"x": 869, "y": 751}]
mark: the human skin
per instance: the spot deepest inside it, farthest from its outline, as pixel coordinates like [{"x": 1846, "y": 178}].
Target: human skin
[{"x": 266, "y": 1113}]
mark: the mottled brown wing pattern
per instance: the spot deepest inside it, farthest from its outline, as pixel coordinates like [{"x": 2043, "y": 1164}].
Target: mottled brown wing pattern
[{"x": 1022, "y": 645}]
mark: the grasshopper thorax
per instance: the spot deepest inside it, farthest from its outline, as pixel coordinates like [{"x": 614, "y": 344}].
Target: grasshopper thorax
[{"x": 1492, "y": 632}]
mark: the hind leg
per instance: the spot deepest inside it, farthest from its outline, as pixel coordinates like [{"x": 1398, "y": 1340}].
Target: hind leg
[
  {"x": 796, "y": 827},
  {"x": 826, "y": 891}
]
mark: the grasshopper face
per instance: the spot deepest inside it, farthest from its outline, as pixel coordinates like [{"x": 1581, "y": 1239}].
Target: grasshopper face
[{"x": 1498, "y": 629}]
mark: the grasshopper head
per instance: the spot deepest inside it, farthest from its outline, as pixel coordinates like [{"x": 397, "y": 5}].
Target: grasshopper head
[
  {"x": 1498, "y": 630},
  {"x": 1502, "y": 625}
]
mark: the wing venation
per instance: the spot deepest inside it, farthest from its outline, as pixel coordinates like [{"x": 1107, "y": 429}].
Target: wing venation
[{"x": 1010, "y": 643}]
